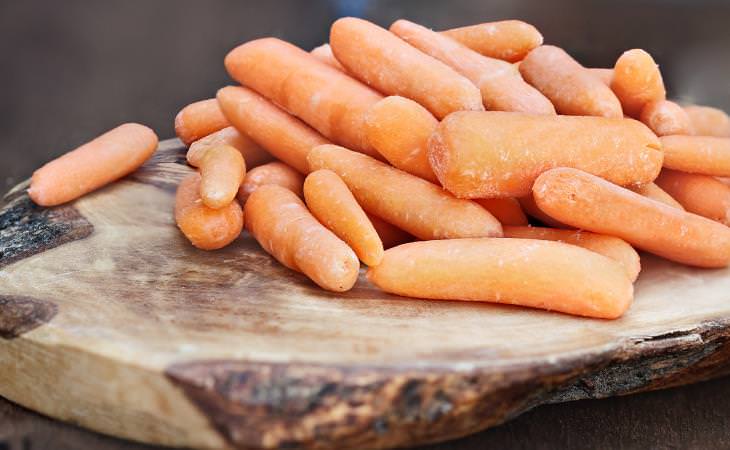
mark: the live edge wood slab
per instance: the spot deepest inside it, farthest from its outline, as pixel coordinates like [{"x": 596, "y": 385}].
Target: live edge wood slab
[{"x": 109, "y": 319}]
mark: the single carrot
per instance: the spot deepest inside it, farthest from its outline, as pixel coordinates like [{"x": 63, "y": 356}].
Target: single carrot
[
  {"x": 707, "y": 155},
  {"x": 665, "y": 117},
  {"x": 198, "y": 120},
  {"x": 284, "y": 136},
  {"x": 509, "y": 40},
  {"x": 605, "y": 75},
  {"x": 284, "y": 227},
  {"x": 609, "y": 246},
  {"x": 708, "y": 121},
  {"x": 506, "y": 210},
  {"x": 107, "y": 158},
  {"x": 525, "y": 272},
  {"x": 383, "y": 61},
  {"x": 531, "y": 209},
  {"x": 206, "y": 228},
  {"x": 499, "y": 154},
  {"x": 221, "y": 172},
  {"x": 654, "y": 192},
  {"x": 408, "y": 202},
  {"x": 700, "y": 194},
  {"x": 252, "y": 152},
  {"x": 637, "y": 81},
  {"x": 591, "y": 203},
  {"x": 325, "y": 55},
  {"x": 499, "y": 82},
  {"x": 326, "y": 99},
  {"x": 276, "y": 173},
  {"x": 389, "y": 234},
  {"x": 571, "y": 87}
]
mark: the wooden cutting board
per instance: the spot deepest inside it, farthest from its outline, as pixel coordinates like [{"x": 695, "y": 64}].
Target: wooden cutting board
[{"x": 109, "y": 319}]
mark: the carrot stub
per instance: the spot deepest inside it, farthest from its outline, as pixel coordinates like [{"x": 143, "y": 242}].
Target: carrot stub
[
  {"x": 707, "y": 155},
  {"x": 637, "y": 81},
  {"x": 708, "y": 121},
  {"x": 252, "y": 152},
  {"x": 276, "y": 173},
  {"x": 509, "y": 40},
  {"x": 665, "y": 117},
  {"x": 699, "y": 194},
  {"x": 325, "y": 55},
  {"x": 198, "y": 120},
  {"x": 221, "y": 172}
]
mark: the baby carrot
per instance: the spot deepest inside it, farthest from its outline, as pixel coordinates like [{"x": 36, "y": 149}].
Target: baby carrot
[
  {"x": 609, "y": 246},
  {"x": 284, "y": 227},
  {"x": 708, "y": 121},
  {"x": 206, "y": 228},
  {"x": 495, "y": 154},
  {"x": 252, "y": 153},
  {"x": 107, "y": 158},
  {"x": 707, "y": 155},
  {"x": 389, "y": 234},
  {"x": 332, "y": 203},
  {"x": 198, "y": 120},
  {"x": 509, "y": 40},
  {"x": 506, "y": 210},
  {"x": 571, "y": 87},
  {"x": 654, "y": 192},
  {"x": 408, "y": 202},
  {"x": 385, "y": 62},
  {"x": 700, "y": 194},
  {"x": 325, "y": 55},
  {"x": 591, "y": 203},
  {"x": 526, "y": 272},
  {"x": 221, "y": 172},
  {"x": 284, "y": 136},
  {"x": 276, "y": 173},
  {"x": 531, "y": 209},
  {"x": 637, "y": 81},
  {"x": 605, "y": 75},
  {"x": 665, "y": 117}
]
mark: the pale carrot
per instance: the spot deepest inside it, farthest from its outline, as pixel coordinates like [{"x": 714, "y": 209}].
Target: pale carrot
[
  {"x": 509, "y": 40},
  {"x": 637, "y": 81},
  {"x": 700, "y": 194},
  {"x": 654, "y": 192},
  {"x": 499, "y": 82},
  {"x": 499, "y": 154},
  {"x": 408, "y": 202},
  {"x": 389, "y": 234},
  {"x": 107, "y": 158},
  {"x": 531, "y": 209},
  {"x": 198, "y": 120},
  {"x": 707, "y": 155},
  {"x": 571, "y": 87},
  {"x": 525, "y": 272},
  {"x": 591, "y": 203},
  {"x": 708, "y": 121},
  {"x": 605, "y": 75},
  {"x": 221, "y": 172},
  {"x": 284, "y": 227},
  {"x": 383, "y": 61},
  {"x": 506, "y": 210},
  {"x": 284, "y": 136},
  {"x": 665, "y": 117},
  {"x": 276, "y": 173},
  {"x": 252, "y": 152},
  {"x": 206, "y": 228},
  {"x": 325, "y": 55}
]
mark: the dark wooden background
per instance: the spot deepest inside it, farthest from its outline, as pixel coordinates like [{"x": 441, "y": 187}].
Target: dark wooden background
[{"x": 72, "y": 69}]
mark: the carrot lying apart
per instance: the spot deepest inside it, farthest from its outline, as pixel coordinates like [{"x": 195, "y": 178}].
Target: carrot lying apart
[
  {"x": 221, "y": 172},
  {"x": 571, "y": 87},
  {"x": 509, "y": 40},
  {"x": 707, "y": 121},
  {"x": 605, "y": 75},
  {"x": 562, "y": 277},
  {"x": 654, "y": 192},
  {"x": 198, "y": 120},
  {"x": 591, "y": 203},
  {"x": 637, "y": 81},
  {"x": 385, "y": 62},
  {"x": 107, "y": 158},
  {"x": 499, "y": 82},
  {"x": 325, "y": 55},
  {"x": 665, "y": 117},
  {"x": 699, "y": 194},
  {"x": 276, "y": 173},
  {"x": 252, "y": 152},
  {"x": 697, "y": 154},
  {"x": 498, "y": 154},
  {"x": 408, "y": 202},
  {"x": 389, "y": 234},
  {"x": 206, "y": 228},
  {"x": 283, "y": 226},
  {"x": 506, "y": 210}
]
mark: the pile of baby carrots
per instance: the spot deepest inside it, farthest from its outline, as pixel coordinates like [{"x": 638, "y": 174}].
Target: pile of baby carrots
[{"x": 422, "y": 154}]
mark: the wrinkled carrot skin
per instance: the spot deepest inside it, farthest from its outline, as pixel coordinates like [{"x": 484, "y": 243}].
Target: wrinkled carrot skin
[
  {"x": 332, "y": 203},
  {"x": 708, "y": 121},
  {"x": 252, "y": 152},
  {"x": 608, "y": 246},
  {"x": 499, "y": 82},
  {"x": 408, "y": 202},
  {"x": 389, "y": 234},
  {"x": 562, "y": 277},
  {"x": 221, "y": 172},
  {"x": 276, "y": 173},
  {"x": 654, "y": 192},
  {"x": 326, "y": 99},
  {"x": 206, "y": 228},
  {"x": 700, "y": 194},
  {"x": 637, "y": 81},
  {"x": 707, "y": 155},
  {"x": 198, "y": 120},
  {"x": 283, "y": 135},
  {"x": 605, "y": 75},
  {"x": 571, "y": 87},
  {"x": 531, "y": 209},
  {"x": 665, "y": 117},
  {"x": 105, "y": 159},
  {"x": 506, "y": 210},
  {"x": 383, "y": 61},
  {"x": 499, "y": 154},
  {"x": 325, "y": 55},
  {"x": 509, "y": 40},
  {"x": 591, "y": 203},
  {"x": 284, "y": 227}
]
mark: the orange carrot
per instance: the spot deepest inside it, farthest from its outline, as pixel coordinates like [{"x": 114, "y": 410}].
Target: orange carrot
[
  {"x": 525, "y": 272},
  {"x": 252, "y": 152},
  {"x": 198, "y": 120},
  {"x": 107, "y": 158},
  {"x": 654, "y": 192},
  {"x": 509, "y": 40},
  {"x": 389, "y": 234},
  {"x": 605, "y": 75},
  {"x": 408, "y": 202},
  {"x": 637, "y": 81},
  {"x": 325, "y": 55},
  {"x": 380, "y": 59},
  {"x": 699, "y": 194},
  {"x": 206, "y": 228},
  {"x": 707, "y": 155},
  {"x": 221, "y": 172},
  {"x": 499, "y": 154},
  {"x": 571, "y": 87},
  {"x": 591, "y": 203},
  {"x": 506, "y": 210},
  {"x": 283, "y": 135},
  {"x": 499, "y": 82},
  {"x": 276, "y": 173},
  {"x": 531, "y": 209},
  {"x": 665, "y": 117},
  {"x": 708, "y": 121},
  {"x": 326, "y": 99},
  {"x": 724, "y": 180},
  {"x": 284, "y": 227}
]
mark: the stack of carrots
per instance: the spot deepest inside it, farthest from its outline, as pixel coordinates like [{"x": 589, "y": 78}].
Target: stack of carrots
[{"x": 422, "y": 153}]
